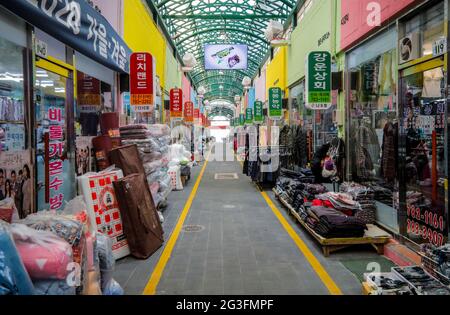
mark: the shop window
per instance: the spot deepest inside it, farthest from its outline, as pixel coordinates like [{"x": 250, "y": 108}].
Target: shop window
[
  {"x": 12, "y": 128},
  {"x": 422, "y": 133},
  {"x": 430, "y": 24},
  {"x": 372, "y": 114},
  {"x": 94, "y": 97}
]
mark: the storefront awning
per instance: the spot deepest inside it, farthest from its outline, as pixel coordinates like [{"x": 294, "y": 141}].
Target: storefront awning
[{"x": 79, "y": 26}]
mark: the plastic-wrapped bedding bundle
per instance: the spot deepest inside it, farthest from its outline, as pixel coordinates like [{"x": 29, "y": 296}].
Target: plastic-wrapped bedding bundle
[
  {"x": 152, "y": 166},
  {"x": 14, "y": 279},
  {"x": 103, "y": 209},
  {"x": 159, "y": 130},
  {"x": 106, "y": 264},
  {"x": 45, "y": 255}
]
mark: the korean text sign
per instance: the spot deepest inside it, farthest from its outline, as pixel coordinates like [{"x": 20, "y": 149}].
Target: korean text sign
[
  {"x": 275, "y": 103},
  {"x": 89, "y": 94},
  {"x": 142, "y": 83},
  {"x": 77, "y": 24},
  {"x": 249, "y": 116},
  {"x": 318, "y": 81},
  {"x": 189, "y": 112},
  {"x": 176, "y": 103},
  {"x": 258, "y": 112}
]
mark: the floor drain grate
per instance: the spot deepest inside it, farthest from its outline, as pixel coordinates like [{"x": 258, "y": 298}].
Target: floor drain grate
[
  {"x": 193, "y": 228},
  {"x": 231, "y": 176}
]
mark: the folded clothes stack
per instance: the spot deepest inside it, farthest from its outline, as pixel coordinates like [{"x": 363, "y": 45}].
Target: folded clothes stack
[
  {"x": 422, "y": 282},
  {"x": 365, "y": 196},
  {"x": 304, "y": 175},
  {"x": 331, "y": 223},
  {"x": 440, "y": 256},
  {"x": 340, "y": 201},
  {"x": 383, "y": 194}
]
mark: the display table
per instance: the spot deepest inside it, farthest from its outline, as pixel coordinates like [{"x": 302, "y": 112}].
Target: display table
[{"x": 374, "y": 236}]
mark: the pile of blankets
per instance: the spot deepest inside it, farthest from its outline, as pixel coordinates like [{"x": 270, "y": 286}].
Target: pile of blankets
[
  {"x": 331, "y": 223},
  {"x": 365, "y": 196},
  {"x": 153, "y": 144}
]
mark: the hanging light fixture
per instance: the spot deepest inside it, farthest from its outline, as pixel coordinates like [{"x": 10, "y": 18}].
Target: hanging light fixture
[
  {"x": 189, "y": 62},
  {"x": 246, "y": 82}
]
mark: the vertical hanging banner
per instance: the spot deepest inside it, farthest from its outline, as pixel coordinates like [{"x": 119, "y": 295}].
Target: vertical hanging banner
[
  {"x": 249, "y": 116},
  {"x": 189, "y": 112},
  {"x": 275, "y": 103},
  {"x": 241, "y": 119},
  {"x": 176, "y": 103},
  {"x": 142, "y": 82},
  {"x": 258, "y": 112},
  {"x": 318, "y": 80}
]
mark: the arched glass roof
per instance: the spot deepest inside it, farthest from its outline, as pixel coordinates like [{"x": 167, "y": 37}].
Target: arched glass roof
[{"x": 192, "y": 24}]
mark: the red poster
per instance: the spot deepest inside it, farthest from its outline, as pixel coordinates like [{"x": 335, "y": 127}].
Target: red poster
[
  {"x": 176, "y": 103},
  {"x": 89, "y": 94},
  {"x": 141, "y": 81},
  {"x": 197, "y": 113},
  {"x": 189, "y": 112}
]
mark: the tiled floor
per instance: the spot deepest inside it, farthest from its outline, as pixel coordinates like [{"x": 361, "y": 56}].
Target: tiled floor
[{"x": 242, "y": 248}]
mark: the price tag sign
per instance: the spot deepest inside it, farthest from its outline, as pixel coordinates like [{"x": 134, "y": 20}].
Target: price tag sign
[{"x": 440, "y": 47}]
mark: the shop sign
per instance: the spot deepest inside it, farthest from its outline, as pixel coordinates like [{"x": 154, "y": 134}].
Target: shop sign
[
  {"x": 440, "y": 47},
  {"x": 77, "y": 24},
  {"x": 241, "y": 119},
  {"x": 176, "y": 103},
  {"x": 189, "y": 112},
  {"x": 259, "y": 112},
  {"x": 318, "y": 80},
  {"x": 275, "y": 103},
  {"x": 430, "y": 225},
  {"x": 142, "y": 82},
  {"x": 89, "y": 94},
  {"x": 54, "y": 149},
  {"x": 249, "y": 116}
]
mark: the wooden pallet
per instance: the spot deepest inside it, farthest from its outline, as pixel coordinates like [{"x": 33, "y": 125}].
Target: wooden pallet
[{"x": 330, "y": 245}]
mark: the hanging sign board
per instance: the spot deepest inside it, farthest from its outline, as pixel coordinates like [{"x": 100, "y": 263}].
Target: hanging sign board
[
  {"x": 318, "y": 80},
  {"x": 249, "y": 116},
  {"x": 275, "y": 103},
  {"x": 440, "y": 47},
  {"x": 176, "y": 104},
  {"x": 188, "y": 112},
  {"x": 258, "y": 112},
  {"x": 89, "y": 94},
  {"x": 77, "y": 24},
  {"x": 241, "y": 119},
  {"x": 142, "y": 82}
]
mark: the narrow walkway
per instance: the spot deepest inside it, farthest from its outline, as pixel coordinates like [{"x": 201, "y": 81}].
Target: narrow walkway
[{"x": 240, "y": 248}]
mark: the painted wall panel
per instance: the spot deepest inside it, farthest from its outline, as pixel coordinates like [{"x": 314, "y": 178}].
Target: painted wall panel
[
  {"x": 314, "y": 32},
  {"x": 276, "y": 71},
  {"x": 173, "y": 73},
  {"x": 356, "y": 17},
  {"x": 142, "y": 34},
  {"x": 112, "y": 11}
]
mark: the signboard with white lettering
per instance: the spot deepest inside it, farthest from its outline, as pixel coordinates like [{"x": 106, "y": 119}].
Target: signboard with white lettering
[
  {"x": 318, "y": 80},
  {"x": 77, "y": 24}
]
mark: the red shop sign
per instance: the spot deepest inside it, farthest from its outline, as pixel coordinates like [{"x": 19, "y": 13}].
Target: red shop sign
[
  {"x": 142, "y": 90},
  {"x": 197, "y": 113},
  {"x": 189, "y": 112},
  {"x": 176, "y": 103}
]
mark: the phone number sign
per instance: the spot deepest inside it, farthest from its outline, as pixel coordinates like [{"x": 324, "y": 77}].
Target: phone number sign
[{"x": 318, "y": 81}]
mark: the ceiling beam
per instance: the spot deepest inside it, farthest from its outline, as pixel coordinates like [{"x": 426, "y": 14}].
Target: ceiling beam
[{"x": 224, "y": 16}]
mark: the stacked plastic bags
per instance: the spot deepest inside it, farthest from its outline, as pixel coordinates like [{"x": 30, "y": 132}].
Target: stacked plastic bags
[
  {"x": 56, "y": 254},
  {"x": 153, "y": 144}
]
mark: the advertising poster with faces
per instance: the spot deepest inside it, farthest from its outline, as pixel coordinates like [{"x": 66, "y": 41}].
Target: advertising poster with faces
[{"x": 85, "y": 157}]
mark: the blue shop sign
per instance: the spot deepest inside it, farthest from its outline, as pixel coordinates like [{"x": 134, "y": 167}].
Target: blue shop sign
[{"x": 78, "y": 25}]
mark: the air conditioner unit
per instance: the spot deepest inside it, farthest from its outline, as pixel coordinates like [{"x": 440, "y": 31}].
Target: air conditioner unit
[
  {"x": 409, "y": 47},
  {"x": 274, "y": 34}
]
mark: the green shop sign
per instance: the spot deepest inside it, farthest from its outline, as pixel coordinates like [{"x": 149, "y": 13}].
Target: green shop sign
[
  {"x": 249, "y": 116},
  {"x": 318, "y": 80},
  {"x": 275, "y": 103},
  {"x": 242, "y": 119},
  {"x": 258, "y": 112}
]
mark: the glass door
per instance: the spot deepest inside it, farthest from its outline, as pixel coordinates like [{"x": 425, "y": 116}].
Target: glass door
[
  {"x": 422, "y": 154},
  {"x": 55, "y": 167}
]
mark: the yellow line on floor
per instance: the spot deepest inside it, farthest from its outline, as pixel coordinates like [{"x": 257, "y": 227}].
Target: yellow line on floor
[
  {"x": 150, "y": 288},
  {"x": 313, "y": 261}
]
